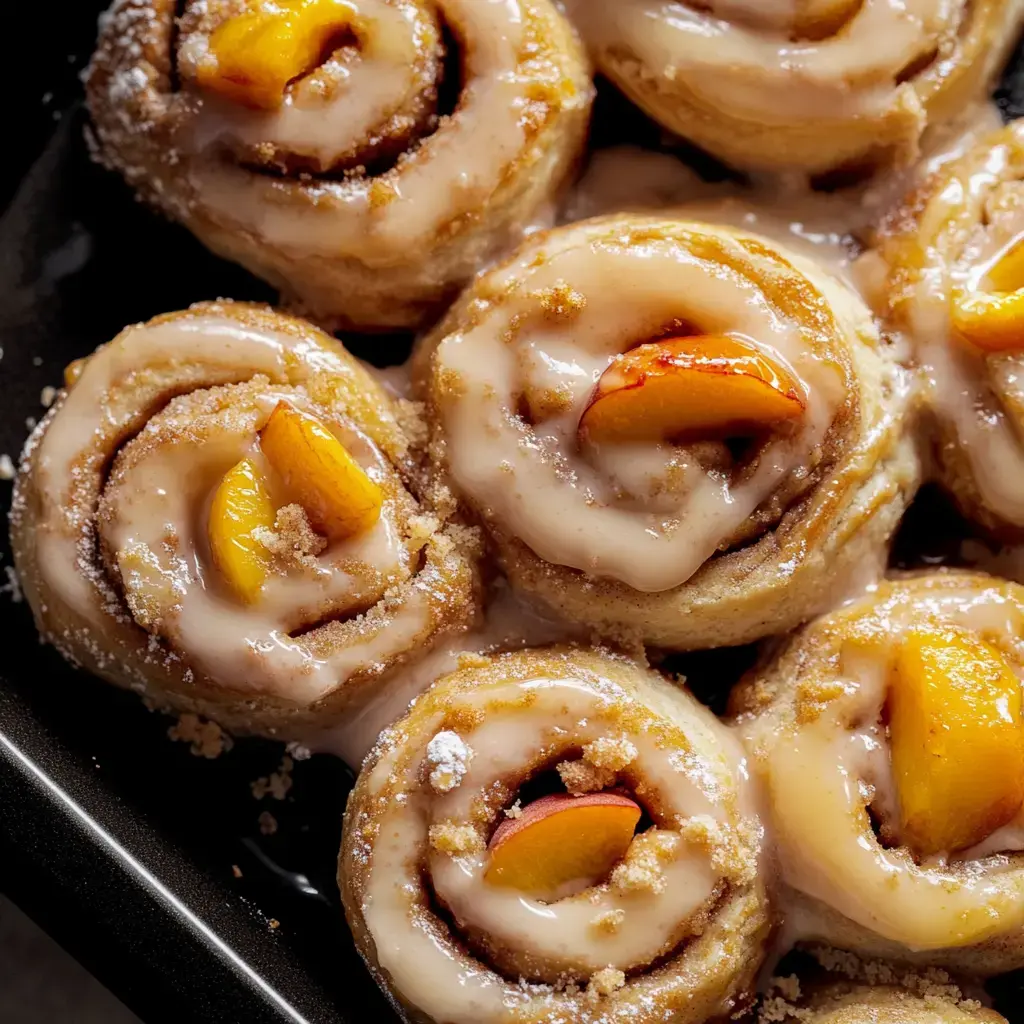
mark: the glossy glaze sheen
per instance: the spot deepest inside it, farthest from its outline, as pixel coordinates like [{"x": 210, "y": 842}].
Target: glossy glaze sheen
[{"x": 119, "y": 842}]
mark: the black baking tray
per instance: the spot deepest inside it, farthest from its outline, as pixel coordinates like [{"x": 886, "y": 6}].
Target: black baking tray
[{"x": 147, "y": 863}]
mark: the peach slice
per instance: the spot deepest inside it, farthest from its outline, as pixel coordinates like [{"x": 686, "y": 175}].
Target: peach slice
[
  {"x": 956, "y": 740},
  {"x": 561, "y": 839},
  {"x": 993, "y": 319},
  {"x": 702, "y": 386},
  {"x": 319, "y": 474},
  {"x": 241, "y": 505},
  {"x": 1007, "y": 274},
  {"x": 990, "y": 321},
  {"x": 257, "y": 53}
]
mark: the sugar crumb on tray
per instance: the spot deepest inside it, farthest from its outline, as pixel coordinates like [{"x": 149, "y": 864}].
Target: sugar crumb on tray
[
  {"x": 206, "y": 739},
  {"x": 277, "y": 784}
]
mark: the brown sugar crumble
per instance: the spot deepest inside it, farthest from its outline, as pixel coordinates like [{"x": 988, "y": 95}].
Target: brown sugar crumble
[
  {"x": 562, "y": 302},
  {"x": 236, "y": 871},
  {"x": 775, "y": 1009},
  {"x": 598, "y": 767},
  {"x": 581, "y": 777},
  {"x": 610, "y": 752},
  {"x": 455, "y": 840},
  {"x": 267, "y": 823},
  {"x": 641, "y": 869},
  {"x": 733, "y": 850},
  {"x": 604, "y": 983},
  {"x": 205, "y": 739},
  {"x": 609, "y": 922},
  {"x": 420, "y": 529},
  {"x": 780, "y": 1001},
  {"x": 932, "y": 983},
  {"x": 293, "y": 541},
  {"x": 788, "y": 987}
]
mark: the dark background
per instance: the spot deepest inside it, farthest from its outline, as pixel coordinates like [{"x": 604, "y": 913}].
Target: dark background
[{"x": 117, "y": 841}]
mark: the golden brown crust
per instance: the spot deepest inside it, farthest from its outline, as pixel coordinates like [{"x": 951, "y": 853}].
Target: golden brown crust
[
  {"x": 709, "y": 974},
  {"x": 127, "y": 633},
  {"x": 148, "y": 117},
  {"x": 819, "y": 529}
]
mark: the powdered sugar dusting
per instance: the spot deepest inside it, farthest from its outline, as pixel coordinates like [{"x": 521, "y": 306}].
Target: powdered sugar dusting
[{"x": 448, "y": 757}]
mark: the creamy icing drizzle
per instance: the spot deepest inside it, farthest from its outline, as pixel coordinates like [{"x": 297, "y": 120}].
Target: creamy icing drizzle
[
  {"x": 741, "y": 54},
  {"x": 646, "y": 514},
  {"x": 823, "y": 774},
  {"x": 509, "y": 624},
  {"x": 428, "y": 970},
  {"x": 830, "y": 228},
  {"x": 157, "y": 531}
]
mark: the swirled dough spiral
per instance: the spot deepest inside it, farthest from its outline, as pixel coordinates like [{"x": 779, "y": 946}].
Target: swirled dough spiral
[
  {"x": 110, "y": 539},
  {"x": 677, "y": 936},
  {"x": 686, "y": 545},
  {"x": 361, "y": 198}
]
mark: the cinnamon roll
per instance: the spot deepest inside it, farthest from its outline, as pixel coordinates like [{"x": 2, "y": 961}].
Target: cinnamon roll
[
  {"x": 629, "y": 892},
  {"x": 811, "y": 85},
  {"x": 672, "y": 432},
  {"x": 363, "y": 156},
  {"x": 889, "y": 739},
  {"x": 955, "y": 286},
  {"x": 223, "y": 513}
]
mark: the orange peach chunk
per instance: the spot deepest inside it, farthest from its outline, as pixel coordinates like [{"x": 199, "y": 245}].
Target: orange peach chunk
[
  {"x": 956, "y": 740},
  {"x": 240, "y": 506},
  {"x": 990, "y": 321},
  {"x": 256, "y": 54},
  {"x": 1007, "y": 273},
  {"x": 562, "y": 840},
  {"x": 704, "y": 386},
  {"x": 992, "y": 318},
  {"x": 318, "y": 473}
]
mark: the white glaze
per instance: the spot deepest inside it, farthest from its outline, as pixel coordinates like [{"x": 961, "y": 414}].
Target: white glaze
[
  {"x": 830, "y": 228},
  {"x": 509, "y": 624},
  {"x": 648, "y": 515}
]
